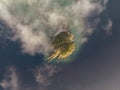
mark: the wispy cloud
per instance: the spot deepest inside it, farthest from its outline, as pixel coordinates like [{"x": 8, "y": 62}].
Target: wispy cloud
[
  {"x": 10, "y": 81},
  {"x": 43, "y": 74},
  {"x": 108, "y": 27}
]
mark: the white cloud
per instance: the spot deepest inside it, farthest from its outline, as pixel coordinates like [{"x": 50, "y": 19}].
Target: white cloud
[
  {"x": 35, "y": 22},
  {"x": 32, "y": 42}
]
